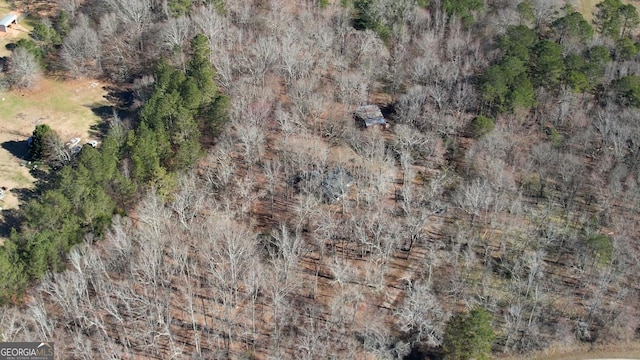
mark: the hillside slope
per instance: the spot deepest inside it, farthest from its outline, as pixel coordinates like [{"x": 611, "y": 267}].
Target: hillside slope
[{"x": 531, "y": 215}]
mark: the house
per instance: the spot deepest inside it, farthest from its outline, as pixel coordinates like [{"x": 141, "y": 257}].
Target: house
[
  {"x": 335, "y": 184},
  {"x": 330, "y": 186},
  {"x": 368, "y": 116},
  {"x": 7, "y": 21}
]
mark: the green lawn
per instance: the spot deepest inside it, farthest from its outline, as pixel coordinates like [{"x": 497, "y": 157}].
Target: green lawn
[
  {"x": 68, "y": 99},
  {"x": 66, "y": 106}
]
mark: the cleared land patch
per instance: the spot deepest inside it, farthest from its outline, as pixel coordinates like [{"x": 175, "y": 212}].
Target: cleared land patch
[{"x": 66, "y": 106}]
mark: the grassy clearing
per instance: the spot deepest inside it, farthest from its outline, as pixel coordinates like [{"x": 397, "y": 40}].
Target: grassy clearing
[
  {"x": 586, "y": 8},
  {"x": 21, "y": 179},
  {"x": 66, "y": 106}
]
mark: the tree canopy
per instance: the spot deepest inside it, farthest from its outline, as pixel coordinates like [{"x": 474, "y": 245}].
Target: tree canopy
[
  {"x": 615, "y": 19},
  {"x": 469, "y": 336},
  {"x": 83, "y": 196},
  {"x": 573, "y": 26}
]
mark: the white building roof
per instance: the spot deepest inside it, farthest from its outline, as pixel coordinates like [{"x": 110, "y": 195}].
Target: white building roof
[{"x": 8, "y": 19}]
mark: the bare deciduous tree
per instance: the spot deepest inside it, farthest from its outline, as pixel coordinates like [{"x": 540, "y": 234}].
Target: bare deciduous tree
[
  {"x": 421, "y": 315},
  {"x": 70, "y": 6},
  {"x": 131, "y": 11},
  {"x": 188, "y": 201},
  {"x": 24, "y": 70},
  {"x": 176, "y": 31},
  {"x": 475, "y": 198},
  {"x": 253, "y": 141},
  {"x": 353, "y": 89},
  {"x": 81, "y": 51},
  {"x": 209, "y": 22}
]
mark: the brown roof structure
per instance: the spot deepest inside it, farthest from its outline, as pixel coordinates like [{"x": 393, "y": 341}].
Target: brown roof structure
[{"x": 370, "y": 115}]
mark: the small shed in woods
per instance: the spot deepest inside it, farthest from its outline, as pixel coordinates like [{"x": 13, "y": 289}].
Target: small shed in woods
[
  {"x": 369, "y": 116},
  {"x": 7, "y": 21},
  {"x": 335, "y": 184}
]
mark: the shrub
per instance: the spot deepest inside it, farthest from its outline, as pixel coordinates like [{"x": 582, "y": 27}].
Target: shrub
[
  {"x": 577, "y": 80},
  {"x": 469, "y": 336},
  {"x": 481, "y": 125},
  {"x": 367, "y": 16},
  {"x": 555, "y": 137},
  {"x": 42, "y": 142},
  {"x": 24, "y": 71},
  {"x": 533, "y": 185},
  {"x": 462, "y": 9},
  {"x": 628, "y": 90},
  {"x": 626, "y": 49},
  {"x": 601, "y": 247}
]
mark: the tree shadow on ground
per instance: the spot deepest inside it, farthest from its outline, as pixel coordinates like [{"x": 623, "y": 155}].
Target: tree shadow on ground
[
  {"x": 121, "y": 98},
  {"x": 25, "y": 194},
  {"x": 418, "y": 353},
  {"x": 109, "y": 114},
  {"x": 106, "y": 114},
  {"x": 4, "y": 63},
  {"x": 42, "y": 176},
  {"x": 10, "y": 219},
  {"x": 120, "y": 105},
  {"x": 19, "y": 149}
]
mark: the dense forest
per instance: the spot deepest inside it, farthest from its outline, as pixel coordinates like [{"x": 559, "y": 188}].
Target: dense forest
[{"x": 496, "y": 214}]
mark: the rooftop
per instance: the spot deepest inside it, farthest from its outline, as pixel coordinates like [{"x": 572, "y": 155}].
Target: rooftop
[
  {"x": 336, "y": 183},
  {"x": 8, "y": 19},
  {"x": 370, "y": 115}
]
